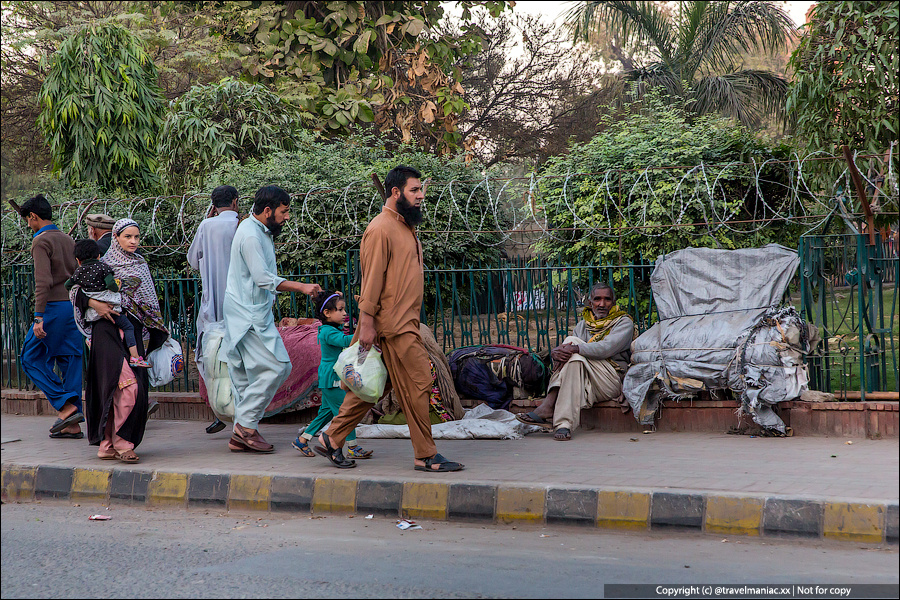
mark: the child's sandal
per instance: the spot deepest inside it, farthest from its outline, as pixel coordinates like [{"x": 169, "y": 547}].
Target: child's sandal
[
  {"x": 357, "y": 451},
  {"x": 303, "y": 448},
  {"x": 138, "y": 362}
]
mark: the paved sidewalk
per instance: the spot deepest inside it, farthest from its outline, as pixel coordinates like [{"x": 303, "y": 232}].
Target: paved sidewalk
[{"x": 687, "y": 468}]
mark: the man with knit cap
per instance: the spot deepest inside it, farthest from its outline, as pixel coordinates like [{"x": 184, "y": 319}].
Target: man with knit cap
[
  {"x": 54, "y": 339},
  {"x": 100, "y": 230}
]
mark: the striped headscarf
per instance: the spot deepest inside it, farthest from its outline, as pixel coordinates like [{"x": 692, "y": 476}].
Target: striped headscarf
[{"x": 139, "y": 299}]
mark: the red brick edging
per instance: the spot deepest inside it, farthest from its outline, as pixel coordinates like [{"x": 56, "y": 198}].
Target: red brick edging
[{"x": 874, "y": 420}]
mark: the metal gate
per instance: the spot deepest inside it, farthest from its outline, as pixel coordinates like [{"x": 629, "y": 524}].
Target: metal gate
[{"x": 848, "y": 289}]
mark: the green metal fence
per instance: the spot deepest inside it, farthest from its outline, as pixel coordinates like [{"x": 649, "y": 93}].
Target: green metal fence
[
  {"x": 849, "y": 290},
  {"x": 529, "y": 304},
  {"x": 845, "y": 287}
]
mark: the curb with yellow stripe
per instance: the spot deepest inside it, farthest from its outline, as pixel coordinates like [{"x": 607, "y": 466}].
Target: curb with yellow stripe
[{"x": 723, "y": 514}]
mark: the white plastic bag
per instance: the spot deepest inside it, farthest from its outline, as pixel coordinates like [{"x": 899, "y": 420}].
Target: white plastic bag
[
  {"x": 167, "y": 361},
  {"x": 215, "y": 372},
  {"x": 362, "y": 372}
]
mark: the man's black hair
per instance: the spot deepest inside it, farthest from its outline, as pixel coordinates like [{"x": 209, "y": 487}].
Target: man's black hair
[
  {"x": 270, "y": 196},
  {"x": 86, "y": 250},
  {"x": 602, "y": 285},
  {"x": 321, "y": 305},
  {"x": 397, "y": 178},
  {"x": 223, "y": 196},
  {"x": 37, "y": 205}
]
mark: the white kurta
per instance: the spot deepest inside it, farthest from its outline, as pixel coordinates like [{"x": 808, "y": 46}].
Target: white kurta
[
  {"x": 258, "y": 362},
  {"x": 210, "y": 253}
]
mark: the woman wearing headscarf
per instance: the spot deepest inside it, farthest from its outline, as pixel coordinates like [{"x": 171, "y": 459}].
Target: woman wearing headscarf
[{"x": 116, "y": 396}]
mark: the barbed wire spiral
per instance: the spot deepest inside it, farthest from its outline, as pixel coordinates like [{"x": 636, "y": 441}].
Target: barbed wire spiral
[{"x": 501, "y": 211}]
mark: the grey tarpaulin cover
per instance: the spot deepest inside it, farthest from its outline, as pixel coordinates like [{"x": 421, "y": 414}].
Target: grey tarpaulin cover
[{"x": 720, "y": 328}]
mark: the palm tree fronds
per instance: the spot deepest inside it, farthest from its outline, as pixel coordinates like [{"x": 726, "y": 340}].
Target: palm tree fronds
[
  {"x": 656, "y": 75},
  {"x": 742, "y": 27},
  {"x": 638, "y": 24},
  {"x": 744, "y": 95}
]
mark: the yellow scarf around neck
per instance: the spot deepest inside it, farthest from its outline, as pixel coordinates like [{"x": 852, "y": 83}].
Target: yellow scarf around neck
[{"x": 600, "y": 328}]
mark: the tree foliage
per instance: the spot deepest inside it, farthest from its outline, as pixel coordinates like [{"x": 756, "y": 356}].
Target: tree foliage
[
  {"x": 695, "y": 53},
  {"x": 101, "y": 109},
  {"x": 215, "y": 123},
  {"x": 334, "y": 200},
  {"x": 528, "y": 93},
  {"x": 352, "y": 62},
  {"x": 182, "y": 38},
  {"x": 618, "y": 188},
  {"x": 847, "y": 87}
]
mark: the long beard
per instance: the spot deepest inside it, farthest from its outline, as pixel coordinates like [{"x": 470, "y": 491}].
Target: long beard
[
  {"x": 411, "y": 214},
  {"x": 274, "y": 228}
]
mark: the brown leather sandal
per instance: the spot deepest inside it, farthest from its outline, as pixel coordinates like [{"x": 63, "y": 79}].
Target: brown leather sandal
[{"x": 128, "y": 456}]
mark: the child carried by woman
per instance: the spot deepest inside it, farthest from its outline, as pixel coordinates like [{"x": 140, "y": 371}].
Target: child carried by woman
[
  {"x": 331, "y": 310},
  {"x": 98, "y": 281}
]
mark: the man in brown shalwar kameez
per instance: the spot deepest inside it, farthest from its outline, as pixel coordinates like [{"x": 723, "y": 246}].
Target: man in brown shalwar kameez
[{"x": 390, "y": 302}]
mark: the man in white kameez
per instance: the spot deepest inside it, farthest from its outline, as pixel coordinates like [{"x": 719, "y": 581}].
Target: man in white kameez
[
  {"x": 258, "y": 362},
  {"x": 210, "y": 253}
]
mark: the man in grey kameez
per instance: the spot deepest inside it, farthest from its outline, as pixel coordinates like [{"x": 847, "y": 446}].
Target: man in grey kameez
[
  {"x": 588, "y": 367},
  {"x": 258, "y": 362},
  {"x": 210, "y": 253}
]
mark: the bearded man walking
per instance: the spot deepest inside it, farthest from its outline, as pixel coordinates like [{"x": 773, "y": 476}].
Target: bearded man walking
[
  {"x": 390, "y": 302},
  {"x": 258, "y": 362}
]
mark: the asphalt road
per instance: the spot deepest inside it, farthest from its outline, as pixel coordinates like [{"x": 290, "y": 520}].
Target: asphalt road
[{"x": 52, "y": 550}]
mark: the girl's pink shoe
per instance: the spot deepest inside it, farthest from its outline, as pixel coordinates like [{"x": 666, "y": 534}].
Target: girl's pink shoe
[{"x": 138, "y": 362}]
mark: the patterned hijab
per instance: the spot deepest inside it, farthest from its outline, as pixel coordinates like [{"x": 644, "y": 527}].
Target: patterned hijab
[{"x": 139, "y": 298}]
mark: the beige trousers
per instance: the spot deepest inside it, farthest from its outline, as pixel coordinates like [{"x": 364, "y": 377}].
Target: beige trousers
[{"x": 582, "y": 383}]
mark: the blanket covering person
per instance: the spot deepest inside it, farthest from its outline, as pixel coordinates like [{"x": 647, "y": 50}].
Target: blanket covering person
[{"x": 444, "y": 400}]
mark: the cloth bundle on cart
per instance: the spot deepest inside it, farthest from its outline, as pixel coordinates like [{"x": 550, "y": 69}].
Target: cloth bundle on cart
[{"x": 721, "y": 327}]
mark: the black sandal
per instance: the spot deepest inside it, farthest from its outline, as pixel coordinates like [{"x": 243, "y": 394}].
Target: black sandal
[
  {"x": 563, "y": 434},
  {"x": 336, "y": 456},
  {"x": 532, "y": 418},
  {"x": 74, "y": 419},
  {"x": 443, "y": 464}
]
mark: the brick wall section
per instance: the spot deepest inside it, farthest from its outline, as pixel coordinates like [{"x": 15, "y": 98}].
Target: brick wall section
[{"x": 874, "y": 420}]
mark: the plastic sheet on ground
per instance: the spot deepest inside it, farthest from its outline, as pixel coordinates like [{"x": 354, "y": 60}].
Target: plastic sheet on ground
[
  {"x": 720, "y": 328},
  {"x": 479, "y": 423}
]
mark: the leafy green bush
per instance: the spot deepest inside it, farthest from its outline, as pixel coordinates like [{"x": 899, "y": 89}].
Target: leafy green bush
[
  {"x": 101, "y": 109},
  {"x": 335, "y": 200},
  {"x": 847, "y": 90},
  {"x": 229, "y": 120},
  {"x": 656, "y": 181}
]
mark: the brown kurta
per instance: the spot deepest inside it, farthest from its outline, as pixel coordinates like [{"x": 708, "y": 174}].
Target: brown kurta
[
  {"x": 393, "y": 275},
  {"x": 393, "y": 283}
]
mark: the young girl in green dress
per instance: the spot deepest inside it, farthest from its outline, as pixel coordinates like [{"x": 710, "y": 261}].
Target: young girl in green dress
[{"x": 331, "y": 310}]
